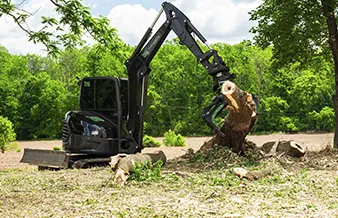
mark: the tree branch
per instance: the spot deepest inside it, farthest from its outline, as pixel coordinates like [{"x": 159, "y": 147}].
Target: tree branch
[
  {"x": 54, "y": 2},
  {"x": 19, "y": 24}
]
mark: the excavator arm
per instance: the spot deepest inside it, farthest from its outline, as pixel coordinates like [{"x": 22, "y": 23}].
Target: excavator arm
[{"x": 138, "y": 67}]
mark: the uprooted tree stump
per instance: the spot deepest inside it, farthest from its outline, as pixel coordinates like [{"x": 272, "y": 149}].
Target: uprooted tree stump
[{"x": 239, "y": 121}]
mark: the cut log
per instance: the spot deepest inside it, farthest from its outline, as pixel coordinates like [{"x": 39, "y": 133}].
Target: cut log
[
  {"x": 239, "y": 121},
  {"x": 122, "y": 164},
  {"x": 251, "y": 175},
  {"x": 290, "y": 148}
]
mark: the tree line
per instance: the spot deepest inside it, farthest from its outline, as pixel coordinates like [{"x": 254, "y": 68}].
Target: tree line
[{"x": 36, "y": 91}]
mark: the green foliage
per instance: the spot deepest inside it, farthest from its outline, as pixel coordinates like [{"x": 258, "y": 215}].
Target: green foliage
[
  {"x": 47, "y": 103},
  {"x": 36, "y": 92},
  {"x": 271, "y": 113},
  {"x": 146, "y": 171},
  {"x": 224, "y": 178},
  {"x": 107, "y": 62},
  {"x": 288, "y": 124},
  {"x": 324, "y": 120},
  {"x": 174, "y": 95},
  {"x": 73, "y": 21},
  {"x": 13, "y": 146},
  {"x": 296, "y": 29},
  {"x": 149, "y": 142},
  {"x": 57, "y": 148},
  {"x": 248, "y": 62},
  {"x": 172, "y": 139},
  {"x": 7, "y": 135},
  {"x": 311, "y": 91},
  {"x": 302, "y": 73}
]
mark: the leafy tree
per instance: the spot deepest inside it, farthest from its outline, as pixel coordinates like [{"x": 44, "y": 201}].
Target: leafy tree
[
  {"x": 107, "y": 62},
  {"x": 310, "y": 91},
  {"x": 280, "y": 83},
  {"x": 181, "y": 87},
  {"x": 75, "y": 20},
  {"x": 36, "y": 91},
  {"x": 272, "y": 114},
  {"x": 323, "y": 120},
  {"x": 13, "y": 72},
  {"x": 48, "y": 114},
  {"x": 43, "y": 105},
  {"x": 5, "y": 60},
  {"x": 36, "y": 64},
  {"x": 300, "y": 31},
  {"x": 7, "y": 134},
  {"x": 70, "y": 64},
  {"x": 238, "y": 57},
  {"x": 9, "y": 93}
]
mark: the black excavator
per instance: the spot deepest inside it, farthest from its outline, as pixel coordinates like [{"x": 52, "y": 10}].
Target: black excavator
[{"x": 110, "y": 120}]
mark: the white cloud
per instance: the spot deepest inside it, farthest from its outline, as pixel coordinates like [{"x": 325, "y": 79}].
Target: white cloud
[
  {"x": 14, "y": 38},
  {"x": 132, "y": 21},
  {"x": 218, "y": 20}
]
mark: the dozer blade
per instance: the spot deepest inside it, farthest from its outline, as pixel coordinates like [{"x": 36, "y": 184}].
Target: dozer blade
[{"x": 45, "y": 158}]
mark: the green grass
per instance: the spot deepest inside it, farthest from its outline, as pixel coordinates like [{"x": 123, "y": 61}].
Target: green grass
[
  {"x": 149, "y": 142},
  {"x": 13, "y": 146},
  {"x": 57, "y": 148},
  {"x": 198, "y": 187},
  {"x": 146, "y": 171},
  {"x": 171, "y": 139}
]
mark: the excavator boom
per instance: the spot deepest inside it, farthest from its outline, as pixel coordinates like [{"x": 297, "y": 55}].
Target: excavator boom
[{"x": 138, "y": 67}]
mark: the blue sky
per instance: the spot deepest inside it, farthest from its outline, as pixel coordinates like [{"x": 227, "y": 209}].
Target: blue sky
[{"x": 225, "y": 21}]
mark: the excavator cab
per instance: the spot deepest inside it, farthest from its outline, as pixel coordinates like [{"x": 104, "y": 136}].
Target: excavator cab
[
  {"x": 95, "y": 132},
  {"x": 97, "y": 129}
]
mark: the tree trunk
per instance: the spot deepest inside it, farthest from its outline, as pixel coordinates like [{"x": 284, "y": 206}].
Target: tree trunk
[
  {"x": 328, "y": 10},
  {"x": 238, "y": 122}
]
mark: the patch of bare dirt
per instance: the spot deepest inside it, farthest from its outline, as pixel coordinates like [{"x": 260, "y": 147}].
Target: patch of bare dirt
[{"x": 12, "y": 159}]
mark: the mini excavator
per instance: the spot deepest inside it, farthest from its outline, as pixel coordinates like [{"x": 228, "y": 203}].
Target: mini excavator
[{"x": 110, "y": 120}]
